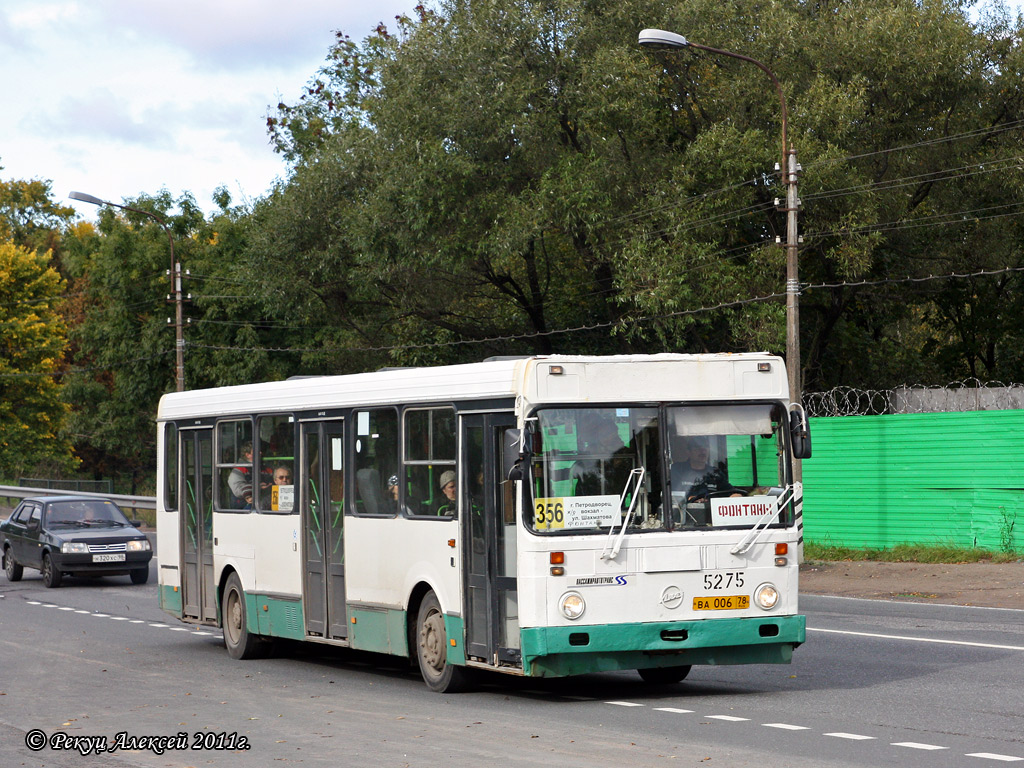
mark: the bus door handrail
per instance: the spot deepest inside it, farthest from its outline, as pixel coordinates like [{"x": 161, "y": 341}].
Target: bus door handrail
[
  {"x": 612, "y": 551},
  {"x": 762, "y": 524}
]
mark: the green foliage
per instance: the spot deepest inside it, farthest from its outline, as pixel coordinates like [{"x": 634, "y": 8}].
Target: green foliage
[
  {"x": 512, "y": 168},
  {"x": 32, "y": 340},
  {"x": 907, "y": 553},
  {"x": 28, "y": 215}
]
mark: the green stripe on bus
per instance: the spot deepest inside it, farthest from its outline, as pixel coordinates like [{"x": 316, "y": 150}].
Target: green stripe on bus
[
  {"x": 275, "y": 616},
  {"x": 170, "y": 599}
]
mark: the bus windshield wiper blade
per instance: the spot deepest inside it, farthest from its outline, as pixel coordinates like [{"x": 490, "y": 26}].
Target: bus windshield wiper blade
[
  {"x": 611, "y": 551},
  {"x": 762, "y": 524}
]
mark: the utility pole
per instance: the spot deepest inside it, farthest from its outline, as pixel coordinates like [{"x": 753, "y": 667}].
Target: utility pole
[
  {"x": 792, "y": 170},
  {"x": 175, "y": 275}
]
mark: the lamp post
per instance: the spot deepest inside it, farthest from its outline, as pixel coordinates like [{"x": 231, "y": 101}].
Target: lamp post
[
  {"x": 175, "y": 273},
  {"x": 658, "y": 38}
]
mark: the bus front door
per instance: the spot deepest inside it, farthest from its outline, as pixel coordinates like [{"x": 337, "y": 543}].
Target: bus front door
[
  {"x": 323, "y": 522},
  {"x": 199, "y": 595},
  {"x": 489, "y": 532}
]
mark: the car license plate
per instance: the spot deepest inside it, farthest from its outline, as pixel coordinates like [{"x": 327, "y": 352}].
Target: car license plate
[
  {"x": 723, "y": 603},
  {"x": 108, "y": 558}
]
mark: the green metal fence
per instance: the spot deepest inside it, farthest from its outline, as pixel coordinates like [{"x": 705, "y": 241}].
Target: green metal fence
[{"x": 917, "y": 478}]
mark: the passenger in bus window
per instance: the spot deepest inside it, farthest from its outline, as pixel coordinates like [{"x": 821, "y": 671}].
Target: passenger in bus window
[
  {"x": 608, "y": 462},
  {"x": 450, "y": 505},
  {"x": 240, "y": 480},
  {"x": 697, "y": 479},
  {"x": 391, "y": 496}
]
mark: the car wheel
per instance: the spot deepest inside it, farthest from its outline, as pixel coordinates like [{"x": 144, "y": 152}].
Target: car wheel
[
  {"x": 140, "y": 575},
  {"x": 51, "y": 575},
  {"x": 240, "y": 642},
  {"x": 664, "y": 675},
  {"x": 432, "y": 650},
  {"x": 11, "y": 568}
]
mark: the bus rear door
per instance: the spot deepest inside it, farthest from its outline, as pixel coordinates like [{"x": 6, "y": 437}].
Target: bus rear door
[{"x": 199, "y": 594}]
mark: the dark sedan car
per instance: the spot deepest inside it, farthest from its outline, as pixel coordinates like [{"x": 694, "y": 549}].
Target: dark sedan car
[{"x": 80, "y": 536}]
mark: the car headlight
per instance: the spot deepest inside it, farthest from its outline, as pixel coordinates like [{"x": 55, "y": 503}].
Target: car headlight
[
  {"x": 572, "y": 605},
  {"x": 139, "y": 545},
  {"x": 766, "y": 596},
  {"x": 74, "y": 548}
]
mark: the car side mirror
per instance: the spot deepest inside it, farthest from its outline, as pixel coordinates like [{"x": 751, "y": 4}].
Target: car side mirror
[
  {"x": 136, "y": 523},
  {"x": 32, "y": 525},
  {"x": 800, "y": 434}
]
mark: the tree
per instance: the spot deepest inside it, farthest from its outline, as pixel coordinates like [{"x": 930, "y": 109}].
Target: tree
[
  {"x": 515, "y": 167},
  {"x": 28, "y": 215},
  {"x": 32, "y": 340}
]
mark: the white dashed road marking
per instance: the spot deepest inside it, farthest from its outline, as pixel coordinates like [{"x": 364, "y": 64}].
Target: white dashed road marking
[
  {"x": 915, "y": 745},
  {"x": 918, "y": 639},
  {"x": 125, "y": 618},
  {"x": 624, "y": 703},
  {"x": 674, "y": 710},
  {"x": 786, "y": 726},
  {"x": 991, "y": 756},
  {"x": 728, "y": 718},
  {"x": 853, "y": 736}
]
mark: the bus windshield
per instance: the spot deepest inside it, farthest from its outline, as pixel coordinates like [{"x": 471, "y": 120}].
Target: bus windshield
[{"x": 725, "y": 467}]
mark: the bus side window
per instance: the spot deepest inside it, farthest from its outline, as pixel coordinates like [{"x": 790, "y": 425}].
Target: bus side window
[
  {"x": 376, "y": 462},
  {"x": 429, "y": 457}
]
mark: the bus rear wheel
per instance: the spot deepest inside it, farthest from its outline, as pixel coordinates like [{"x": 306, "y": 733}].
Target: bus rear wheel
[
  {"x": 664, "y": 675},
  {"x": 432, "y": 650},
  {"x": 240, "y": 642}
]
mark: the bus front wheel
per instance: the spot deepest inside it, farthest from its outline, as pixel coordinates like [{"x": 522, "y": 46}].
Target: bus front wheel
[
  {"x": 432, "y": 650},
  {"x": 664, "y": 675},
  {"x": 240, "y": 642}
]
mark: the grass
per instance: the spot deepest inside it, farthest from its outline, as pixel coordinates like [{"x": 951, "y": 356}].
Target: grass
[{"x": 908, "y": 553}]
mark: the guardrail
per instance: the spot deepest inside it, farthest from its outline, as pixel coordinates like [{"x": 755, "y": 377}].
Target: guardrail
[{"x": 131, "y": 502}]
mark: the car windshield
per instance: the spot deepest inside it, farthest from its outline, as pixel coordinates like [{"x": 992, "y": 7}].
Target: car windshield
[{"x": 85, "y": 514}]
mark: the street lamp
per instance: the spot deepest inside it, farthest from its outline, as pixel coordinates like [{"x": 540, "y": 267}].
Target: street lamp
[
  {"x": 660, "y": 39},
  {"x": 175, "y": 273}
]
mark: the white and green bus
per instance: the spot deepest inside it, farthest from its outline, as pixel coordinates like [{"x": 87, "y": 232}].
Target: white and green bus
[{"x": 539, "y": 516}]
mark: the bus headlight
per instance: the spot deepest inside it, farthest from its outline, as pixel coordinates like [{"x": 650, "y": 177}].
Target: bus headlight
[
  {"x": 572, "y": 605},
  {"x": 766, "y": 596}
]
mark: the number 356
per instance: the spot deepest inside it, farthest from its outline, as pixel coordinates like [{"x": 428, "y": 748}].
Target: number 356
[{"x": 549, "y": 513}]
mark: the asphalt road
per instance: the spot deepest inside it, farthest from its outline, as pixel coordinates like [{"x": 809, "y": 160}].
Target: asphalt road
[{"x": 877, "y": 684}]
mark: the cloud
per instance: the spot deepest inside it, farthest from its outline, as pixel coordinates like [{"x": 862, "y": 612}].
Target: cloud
[
  {"x": 245, "y": 33},
  {"x": 102, "y": 115}
]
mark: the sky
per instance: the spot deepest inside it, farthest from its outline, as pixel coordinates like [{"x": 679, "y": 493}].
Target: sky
[{"x": 119, "y": 98}]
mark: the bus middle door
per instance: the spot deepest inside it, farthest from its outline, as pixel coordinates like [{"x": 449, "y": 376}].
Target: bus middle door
[{"x": 323, "y": 521}]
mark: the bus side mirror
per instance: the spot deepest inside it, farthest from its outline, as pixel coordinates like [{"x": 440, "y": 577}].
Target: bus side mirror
[
  {"x": 800, "y": 434},
  {"x": 511, "y": 460}
]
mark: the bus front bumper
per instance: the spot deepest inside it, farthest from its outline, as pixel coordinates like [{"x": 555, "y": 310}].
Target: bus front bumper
[{"x": 559, "y": 651}]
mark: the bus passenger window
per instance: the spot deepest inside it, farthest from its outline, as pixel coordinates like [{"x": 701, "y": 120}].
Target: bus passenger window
[
  {"x": 234, "y": 465},
  {"x": 276, "y": 463},
  {"x": 429, "y": 462},
  {"x": 376, "y": 463},
  {"x": 170, "y": 467}
]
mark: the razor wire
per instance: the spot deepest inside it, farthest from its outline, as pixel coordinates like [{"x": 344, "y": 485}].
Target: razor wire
[{"x": 970, "y": 394}]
